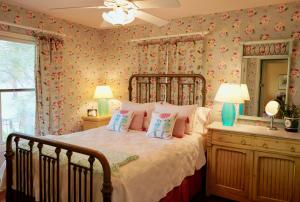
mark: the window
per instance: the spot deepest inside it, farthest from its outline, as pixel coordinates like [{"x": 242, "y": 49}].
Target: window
[{"x": 17, "y": 85}]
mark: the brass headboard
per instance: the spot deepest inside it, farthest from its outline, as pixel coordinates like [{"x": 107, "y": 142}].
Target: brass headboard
[{"x": 177, "y": 89}]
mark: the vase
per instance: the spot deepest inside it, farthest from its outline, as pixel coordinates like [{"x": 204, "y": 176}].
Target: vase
[
  {"x": 291, "y": 124},
  {"x": 228, "y": 114}
]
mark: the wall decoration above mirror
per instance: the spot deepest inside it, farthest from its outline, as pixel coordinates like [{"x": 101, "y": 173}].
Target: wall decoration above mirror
[{"x": 266, "y": 72}]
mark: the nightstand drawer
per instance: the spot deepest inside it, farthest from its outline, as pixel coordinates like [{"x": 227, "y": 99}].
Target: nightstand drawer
[
  {"x": 90, "y": 124},
  {"x": 273, "y": 144},
  {"x": 222, "y": 137},
  {"x": 94, "y": 122}
]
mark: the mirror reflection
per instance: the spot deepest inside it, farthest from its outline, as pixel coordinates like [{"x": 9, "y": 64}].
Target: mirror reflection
[{"x": 266, "y": 79}]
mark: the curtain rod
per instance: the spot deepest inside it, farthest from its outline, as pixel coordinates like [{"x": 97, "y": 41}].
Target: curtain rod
[
  {"x": 169, "y": 36},
  {"x": 32, "y": 28}
]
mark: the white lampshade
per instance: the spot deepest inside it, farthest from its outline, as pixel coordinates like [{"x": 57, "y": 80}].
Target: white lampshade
[
  {"x": 229, "y": 93},
  {"x": 103, "y": 92},
  {"x": 119, "y": 16},
  {"x": 245, "y": 92}
]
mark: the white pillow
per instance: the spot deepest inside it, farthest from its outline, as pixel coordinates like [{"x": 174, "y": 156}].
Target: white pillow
[
  {"x": 181, "y": 110},
  {"x": 120, "y": 120},
  {"x": 202, "y": 120},
  {"x": 145, "y": 107},
  {"x": 161, "y": 125}
]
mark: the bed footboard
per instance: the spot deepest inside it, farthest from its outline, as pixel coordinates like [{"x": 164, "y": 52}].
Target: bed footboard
[{"x": 80, "y": 178}]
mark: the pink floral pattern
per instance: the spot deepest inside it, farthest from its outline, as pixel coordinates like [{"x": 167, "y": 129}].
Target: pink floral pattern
[
  {"x": 279, "y": 27},
  {"x": 222, "y": 53},
  {"x": 48, "y": 81},
  {"x": 82, "y": 67},
  {"x": 93, "y": 57}
]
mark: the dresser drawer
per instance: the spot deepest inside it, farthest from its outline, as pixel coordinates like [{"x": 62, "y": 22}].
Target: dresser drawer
[
  {"x": 222, "y": 138},
  {"x": 274, "y": 144}
]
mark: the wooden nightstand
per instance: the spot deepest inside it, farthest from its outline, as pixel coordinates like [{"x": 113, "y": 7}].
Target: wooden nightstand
[
  {"x": 94, "y": 122},
  {"x": 253, "y": 163}
]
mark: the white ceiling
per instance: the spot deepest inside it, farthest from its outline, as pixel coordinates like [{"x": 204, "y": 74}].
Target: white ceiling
[{"x": 93, "y": 17}]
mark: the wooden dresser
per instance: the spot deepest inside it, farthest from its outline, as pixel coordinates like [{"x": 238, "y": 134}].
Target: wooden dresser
[
  {"x": 253, "y": 163},
  {"x": 90, "y": 122}
]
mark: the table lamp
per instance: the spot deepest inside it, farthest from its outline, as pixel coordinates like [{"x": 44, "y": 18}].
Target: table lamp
[
  {"x": 229, "y": 94},
  {"x": 245, "y": 97},
  {"x": 103, "y": 94}
]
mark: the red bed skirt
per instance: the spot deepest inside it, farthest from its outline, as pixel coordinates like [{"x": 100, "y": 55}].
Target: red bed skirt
[{"x": 188, "y": 189}]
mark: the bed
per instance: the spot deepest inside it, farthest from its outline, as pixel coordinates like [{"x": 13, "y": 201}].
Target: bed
[{"x": 77, "y": 166}]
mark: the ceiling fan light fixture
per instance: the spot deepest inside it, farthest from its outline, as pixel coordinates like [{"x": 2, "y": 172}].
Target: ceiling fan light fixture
[{"x": 119, "y": 16}]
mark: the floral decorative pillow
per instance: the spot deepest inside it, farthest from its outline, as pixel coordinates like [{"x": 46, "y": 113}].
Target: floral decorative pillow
[
  {"x": 120, "y": 120},
  {"x": 181, "y": 110},
  {"x": 161, "y": 125}
]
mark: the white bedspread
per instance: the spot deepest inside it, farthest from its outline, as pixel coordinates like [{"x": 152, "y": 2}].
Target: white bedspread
[{"x": 162, "y": 164}]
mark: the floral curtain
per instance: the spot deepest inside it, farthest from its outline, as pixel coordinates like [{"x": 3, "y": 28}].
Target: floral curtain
[
  {"x": 152, "y": 58},
  {"x": 185, "y": 57},
  {"x": 48, "y": 75},
  {"x": 172, "y": 56}
]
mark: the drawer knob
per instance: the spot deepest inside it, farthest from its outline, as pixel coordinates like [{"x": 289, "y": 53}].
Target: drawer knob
[
  {"x": 265, "y": 145},
  {"x": 243, "y": 142},
  {"x": 293, "y": 149}
]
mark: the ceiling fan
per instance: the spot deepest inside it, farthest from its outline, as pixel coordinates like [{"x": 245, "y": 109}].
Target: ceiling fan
[{"x": 121, "y": 12}]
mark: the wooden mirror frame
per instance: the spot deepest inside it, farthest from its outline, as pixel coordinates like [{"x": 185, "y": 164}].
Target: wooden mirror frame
[{"x": 266, "y": 50}]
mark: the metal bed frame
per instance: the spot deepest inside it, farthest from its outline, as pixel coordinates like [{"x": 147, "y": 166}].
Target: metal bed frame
[{"x": 148, "y": 87}]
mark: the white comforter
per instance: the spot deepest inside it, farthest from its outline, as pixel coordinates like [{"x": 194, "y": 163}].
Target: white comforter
[{"x": 161, "y": 166}]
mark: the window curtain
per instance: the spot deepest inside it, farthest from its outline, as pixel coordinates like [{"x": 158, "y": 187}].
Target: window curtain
[
  {"x": 173, "y": 57},
  {"x": 185, "y": 57},
  {"x": 48, "y": 74},
  {"x": 152, "y": 58}
]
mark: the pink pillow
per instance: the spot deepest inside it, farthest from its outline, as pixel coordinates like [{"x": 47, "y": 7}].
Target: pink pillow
[
  {"x": 182, "y": 111},
  {"x": 137, "y": 121},
  {"x": 138, "y": 107},
  {"x": 179, "y": 127}
]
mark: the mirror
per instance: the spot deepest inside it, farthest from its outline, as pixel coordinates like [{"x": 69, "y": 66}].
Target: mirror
[
  {"x": 265, "y": 71},
  {"x": 272, "y": 109}
]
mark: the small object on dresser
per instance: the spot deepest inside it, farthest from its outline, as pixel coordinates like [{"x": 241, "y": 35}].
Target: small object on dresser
[
  {"x": 291, "y": 118},
  {"x": 92, "y": 112},
  {"x": 272, "y": 109}
]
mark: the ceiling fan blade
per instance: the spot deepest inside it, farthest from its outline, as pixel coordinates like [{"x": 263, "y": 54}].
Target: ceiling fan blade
[
  {"x": 105, "y": 24},
  {"x": 151, "y": 18},
  {"x": 81, "y": 7},
  {"x": 157, "y": 4}
]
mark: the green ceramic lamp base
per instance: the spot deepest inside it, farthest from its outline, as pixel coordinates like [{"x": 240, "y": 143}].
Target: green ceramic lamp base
[{"x": 103, "y": 107}]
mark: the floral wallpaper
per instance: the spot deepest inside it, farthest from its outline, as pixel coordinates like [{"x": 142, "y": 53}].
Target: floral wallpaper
[
  {"x": 81, "y": 69},
  {"x": 222, "y": 50},
  {"x": 252, "y": 81},
  {"x": 93, "y": 57}
]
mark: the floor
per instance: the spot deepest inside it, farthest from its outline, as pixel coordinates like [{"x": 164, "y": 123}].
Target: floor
[
  {"x": 206, "y": 199},
  {"x": 198, "y": 199},
  {"x": 211, "y": 199},
  {"x": 2, "y": 196}
]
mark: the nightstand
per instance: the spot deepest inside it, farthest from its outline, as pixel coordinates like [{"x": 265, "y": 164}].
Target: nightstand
[
  {"x": 253, "y": 163},
  {"x": 94, "y": 122}
]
